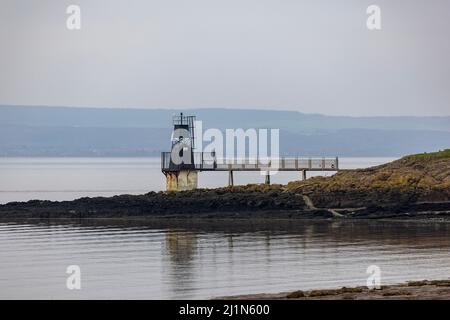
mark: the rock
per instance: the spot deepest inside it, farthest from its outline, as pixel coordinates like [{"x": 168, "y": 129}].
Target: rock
[{"x": 417, "y": 185}]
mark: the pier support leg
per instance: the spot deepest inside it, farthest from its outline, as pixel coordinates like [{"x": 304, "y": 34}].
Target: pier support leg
[
  {"x": 187, "y": 180},
  {"x": 303, "y": 175},
  {"x": 171, "y": 181},
  {"x": 230, "y": 178},
  {"x": 181, "y": 180},
  {"x": 267, "y": 178}
]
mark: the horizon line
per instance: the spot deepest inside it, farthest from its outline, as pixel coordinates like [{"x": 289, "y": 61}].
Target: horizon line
[{"x": 261, "y": 109}]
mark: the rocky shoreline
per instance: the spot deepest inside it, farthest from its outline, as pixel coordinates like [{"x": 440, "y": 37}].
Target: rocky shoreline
[
  {"x": 415, "y": 186},
  {"x": 413, "y": 290},
  {"x": 212, "y": 204}
]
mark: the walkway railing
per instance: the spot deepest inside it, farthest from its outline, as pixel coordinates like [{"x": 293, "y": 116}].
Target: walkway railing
[{"x": 205, "y": 161}]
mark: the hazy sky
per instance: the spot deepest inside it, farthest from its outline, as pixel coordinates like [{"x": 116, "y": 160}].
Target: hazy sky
[{"x": 314, "y": 56}]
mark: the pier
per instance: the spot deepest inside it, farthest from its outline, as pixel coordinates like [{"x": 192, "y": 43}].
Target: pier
[{"x": 184, "y": 175}]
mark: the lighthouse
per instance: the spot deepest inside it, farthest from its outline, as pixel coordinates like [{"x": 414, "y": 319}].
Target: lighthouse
[
  {"x": 178, "y": 165},
  {"x": 182, "y": 164}
]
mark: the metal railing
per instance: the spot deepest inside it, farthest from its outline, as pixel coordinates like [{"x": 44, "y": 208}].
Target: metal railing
[{"x": 206, "y": 161}]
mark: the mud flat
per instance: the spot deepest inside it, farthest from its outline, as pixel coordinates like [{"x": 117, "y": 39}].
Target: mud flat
[{"x": 416, "y": 186}]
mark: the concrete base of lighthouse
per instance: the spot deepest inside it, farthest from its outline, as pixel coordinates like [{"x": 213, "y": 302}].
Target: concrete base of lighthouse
[{"x": 181, "y": 180}]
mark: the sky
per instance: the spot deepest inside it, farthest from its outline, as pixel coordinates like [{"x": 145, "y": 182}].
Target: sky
[{"x": 313, "y": 56}]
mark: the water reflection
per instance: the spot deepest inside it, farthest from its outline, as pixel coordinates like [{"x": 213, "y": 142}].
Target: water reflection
[
  {"x": 201, "y": 259},
  {"x": 180, "y": 248}
]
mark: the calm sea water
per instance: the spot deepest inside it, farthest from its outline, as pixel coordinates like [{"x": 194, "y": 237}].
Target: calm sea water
[
  {"x": 200, "y": 259},
  {"x": 194, "y": 258},
  {"x": 23, "y": 179}
]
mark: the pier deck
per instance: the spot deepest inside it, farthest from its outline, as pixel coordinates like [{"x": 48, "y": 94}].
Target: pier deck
[{"x": 204, "y": 161}]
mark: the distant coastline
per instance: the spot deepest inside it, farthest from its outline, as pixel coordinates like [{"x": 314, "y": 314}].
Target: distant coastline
[{"x": 38, "y": 131}]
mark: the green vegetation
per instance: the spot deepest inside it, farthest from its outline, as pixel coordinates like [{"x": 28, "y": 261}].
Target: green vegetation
[{"x": 439, "y": 154}]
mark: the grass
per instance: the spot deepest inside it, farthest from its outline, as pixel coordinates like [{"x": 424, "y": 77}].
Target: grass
[{"x": 439, "y": 154}]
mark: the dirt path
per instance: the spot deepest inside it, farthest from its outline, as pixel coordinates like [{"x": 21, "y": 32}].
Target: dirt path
[
  {"x": 310, "y": 206},
  {"x": 309, "y": 203}
]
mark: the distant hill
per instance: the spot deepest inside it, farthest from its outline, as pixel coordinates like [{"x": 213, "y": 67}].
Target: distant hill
[
  {"x": 216, "y": 118},
  {"x": 63, "y": 131}
]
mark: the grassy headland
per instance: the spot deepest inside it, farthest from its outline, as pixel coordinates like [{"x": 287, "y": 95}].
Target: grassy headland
[{"x": 411, "y": 179}]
